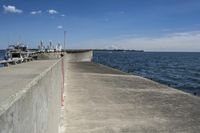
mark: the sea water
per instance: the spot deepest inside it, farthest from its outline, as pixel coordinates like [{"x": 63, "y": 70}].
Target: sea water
[{"x": 2, "y": 55}]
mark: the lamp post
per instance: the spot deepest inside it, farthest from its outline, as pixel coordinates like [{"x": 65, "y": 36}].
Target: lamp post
[{"x": 64, "y": 40}]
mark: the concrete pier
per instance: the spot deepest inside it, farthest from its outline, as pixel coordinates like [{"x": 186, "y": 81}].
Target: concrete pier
[{"x": 99, "y": 99}]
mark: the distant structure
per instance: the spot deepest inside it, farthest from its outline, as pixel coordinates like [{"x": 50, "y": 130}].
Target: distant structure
[
  {"x": 41, "y": 47},
  {"x": 50, "y": 47},
  {"x": 59, "y": 47}
]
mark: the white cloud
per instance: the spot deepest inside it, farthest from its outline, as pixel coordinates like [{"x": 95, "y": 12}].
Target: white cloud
[
  {"x": 11, "y": 9},
  {"x": 36, "y": 12},
  {"x": 52, "y": 11},
  {"x": 60, "y": 27},
  {"x": 62, "y": 15},
  {"x": 181, "y": 41}
]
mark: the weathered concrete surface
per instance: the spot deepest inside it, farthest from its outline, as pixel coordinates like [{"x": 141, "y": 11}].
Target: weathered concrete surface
[
  {"x": 30, "y": 96},
  {"x": 80, "y": 56},
  {"x": 15, "y": 78},
  {"x": 102, "y": 100},
  {"x": 49, "y": 56},
  {"x": 71, "y": 55}
]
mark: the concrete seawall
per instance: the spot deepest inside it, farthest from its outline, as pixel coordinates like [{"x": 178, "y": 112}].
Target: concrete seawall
[
  {"x": 49, "y": 56},
  {"x": 30, "y": 97},
  {"x": 82, "y": 56},
  {"x": 98, "y": 99},
  {"x": 71, "y": 55}
]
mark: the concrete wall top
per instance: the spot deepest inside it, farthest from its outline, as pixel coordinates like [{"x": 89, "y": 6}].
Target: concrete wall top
[{"x": 16, "y": 80}]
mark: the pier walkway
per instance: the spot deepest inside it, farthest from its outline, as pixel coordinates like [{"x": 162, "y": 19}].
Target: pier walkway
[
  {"x": 15, "y": 78},
  {"x": 99, "y": 99}
]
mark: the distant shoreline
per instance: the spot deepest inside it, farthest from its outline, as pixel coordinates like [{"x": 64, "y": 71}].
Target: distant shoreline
[{"x": 119, "y": 50}]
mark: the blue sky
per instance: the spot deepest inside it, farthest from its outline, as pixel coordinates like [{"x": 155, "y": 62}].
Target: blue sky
[{"x": 151, "y": 25}]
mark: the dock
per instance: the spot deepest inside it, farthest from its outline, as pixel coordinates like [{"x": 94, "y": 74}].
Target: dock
[{"x": 74, "y": 95}]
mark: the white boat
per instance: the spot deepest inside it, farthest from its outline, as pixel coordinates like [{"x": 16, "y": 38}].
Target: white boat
[{"x": 17, "y": 52}]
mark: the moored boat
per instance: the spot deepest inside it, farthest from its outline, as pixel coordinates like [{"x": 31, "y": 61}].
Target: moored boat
[{"x": 17, "y": 52}]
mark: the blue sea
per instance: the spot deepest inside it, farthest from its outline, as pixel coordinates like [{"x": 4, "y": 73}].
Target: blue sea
[
  {"x": 176, "y": 69},
  {"x": 2, "y": 54}
]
